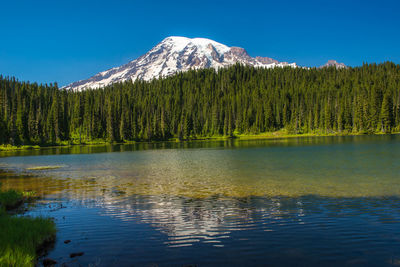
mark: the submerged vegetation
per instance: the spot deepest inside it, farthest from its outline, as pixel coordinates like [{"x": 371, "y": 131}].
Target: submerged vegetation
[
  {"x": 233, "y": 102},
  {"x": 40, "y": 168},
  {"x": 21, "y": 237}
]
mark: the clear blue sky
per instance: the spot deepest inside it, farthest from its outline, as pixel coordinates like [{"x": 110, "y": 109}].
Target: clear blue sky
[{"x": 65, "y": 41}]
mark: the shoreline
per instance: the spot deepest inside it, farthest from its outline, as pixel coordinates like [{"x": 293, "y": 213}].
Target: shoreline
[{"x": 241, "y": 137}]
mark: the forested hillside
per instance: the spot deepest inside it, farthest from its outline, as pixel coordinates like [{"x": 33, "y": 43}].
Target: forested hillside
[{"x": 232, "y": 101}]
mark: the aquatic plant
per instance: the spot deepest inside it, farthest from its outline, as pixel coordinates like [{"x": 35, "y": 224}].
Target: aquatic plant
[{"x": 41, "y": 168}]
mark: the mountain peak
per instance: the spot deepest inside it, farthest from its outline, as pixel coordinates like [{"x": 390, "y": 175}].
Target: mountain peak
[
  {"x": 179, "y": 43},
  {"x": 334, "y": 63},
  {"x": 174, "y": 54},
  {"x": 238, "y": 51}
]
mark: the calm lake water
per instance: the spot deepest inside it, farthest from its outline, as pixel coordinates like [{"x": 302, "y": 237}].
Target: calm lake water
[{"x": 292, "y": 202}]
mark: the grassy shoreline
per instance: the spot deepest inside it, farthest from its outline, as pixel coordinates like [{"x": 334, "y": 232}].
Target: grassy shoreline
[
  {"x": 281, "y": 134},
  {"x": 21, "y": 238}
]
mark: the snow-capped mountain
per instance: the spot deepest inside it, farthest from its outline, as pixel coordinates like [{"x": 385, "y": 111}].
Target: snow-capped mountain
[
  {"x": 334, "y": 63},
  {"x": 175, "y": 54}
]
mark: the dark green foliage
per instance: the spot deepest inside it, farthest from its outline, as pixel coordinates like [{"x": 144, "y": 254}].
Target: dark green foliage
[
  {"x": 236, "y": 100},
  {"x": 10, "y": 199},
  {"x": 386, "y": 116}
]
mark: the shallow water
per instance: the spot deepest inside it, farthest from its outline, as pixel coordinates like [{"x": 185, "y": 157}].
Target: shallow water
[{"x": 304, "y": 201}]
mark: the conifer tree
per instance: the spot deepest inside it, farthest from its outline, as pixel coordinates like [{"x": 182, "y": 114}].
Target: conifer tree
[{"x": 386, "y": 116}]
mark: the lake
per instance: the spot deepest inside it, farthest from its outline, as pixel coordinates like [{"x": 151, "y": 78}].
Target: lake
[{"x": 287, "y": 202}]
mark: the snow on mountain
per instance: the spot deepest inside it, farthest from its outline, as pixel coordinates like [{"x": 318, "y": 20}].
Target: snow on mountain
[
  {"x": 175, "y": 54},
  {"x": 334, "y": 63}
]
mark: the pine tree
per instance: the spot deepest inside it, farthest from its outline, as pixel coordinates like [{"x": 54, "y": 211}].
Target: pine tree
[
  {"x": 110, "y": 122},
  {"x": 386, "y": 115}
]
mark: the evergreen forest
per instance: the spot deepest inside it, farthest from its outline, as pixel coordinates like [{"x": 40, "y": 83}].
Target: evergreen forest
[{"x": 233, "y": 101}]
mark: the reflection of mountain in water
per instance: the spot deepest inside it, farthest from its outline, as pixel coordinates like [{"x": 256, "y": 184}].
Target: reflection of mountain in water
[
  {"x": 212, "y": 220},
  {"x": 186, "y": 221},
  {"x": 150, "y": 230}
]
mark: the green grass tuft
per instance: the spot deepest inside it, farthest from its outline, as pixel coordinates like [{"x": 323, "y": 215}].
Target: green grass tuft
[
  {"x": 21, "y": 237},
  {"x": 11, "y": 199}
]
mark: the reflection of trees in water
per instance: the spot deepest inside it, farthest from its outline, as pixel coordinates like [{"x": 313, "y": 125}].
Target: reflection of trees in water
[
  {"x": 283, "y": 167},
  {"x": 232, "y": 143}
]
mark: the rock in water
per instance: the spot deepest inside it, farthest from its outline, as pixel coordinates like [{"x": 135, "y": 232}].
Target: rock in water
[
  {"x": 49, "y": 262},
  {"x": 77, "y": 254}
]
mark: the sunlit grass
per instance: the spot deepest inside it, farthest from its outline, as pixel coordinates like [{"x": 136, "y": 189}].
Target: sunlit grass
[{"x": 21, "y": 237}]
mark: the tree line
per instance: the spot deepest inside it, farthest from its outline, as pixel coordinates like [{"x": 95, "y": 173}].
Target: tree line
[{"x": 202, "y": 103}]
